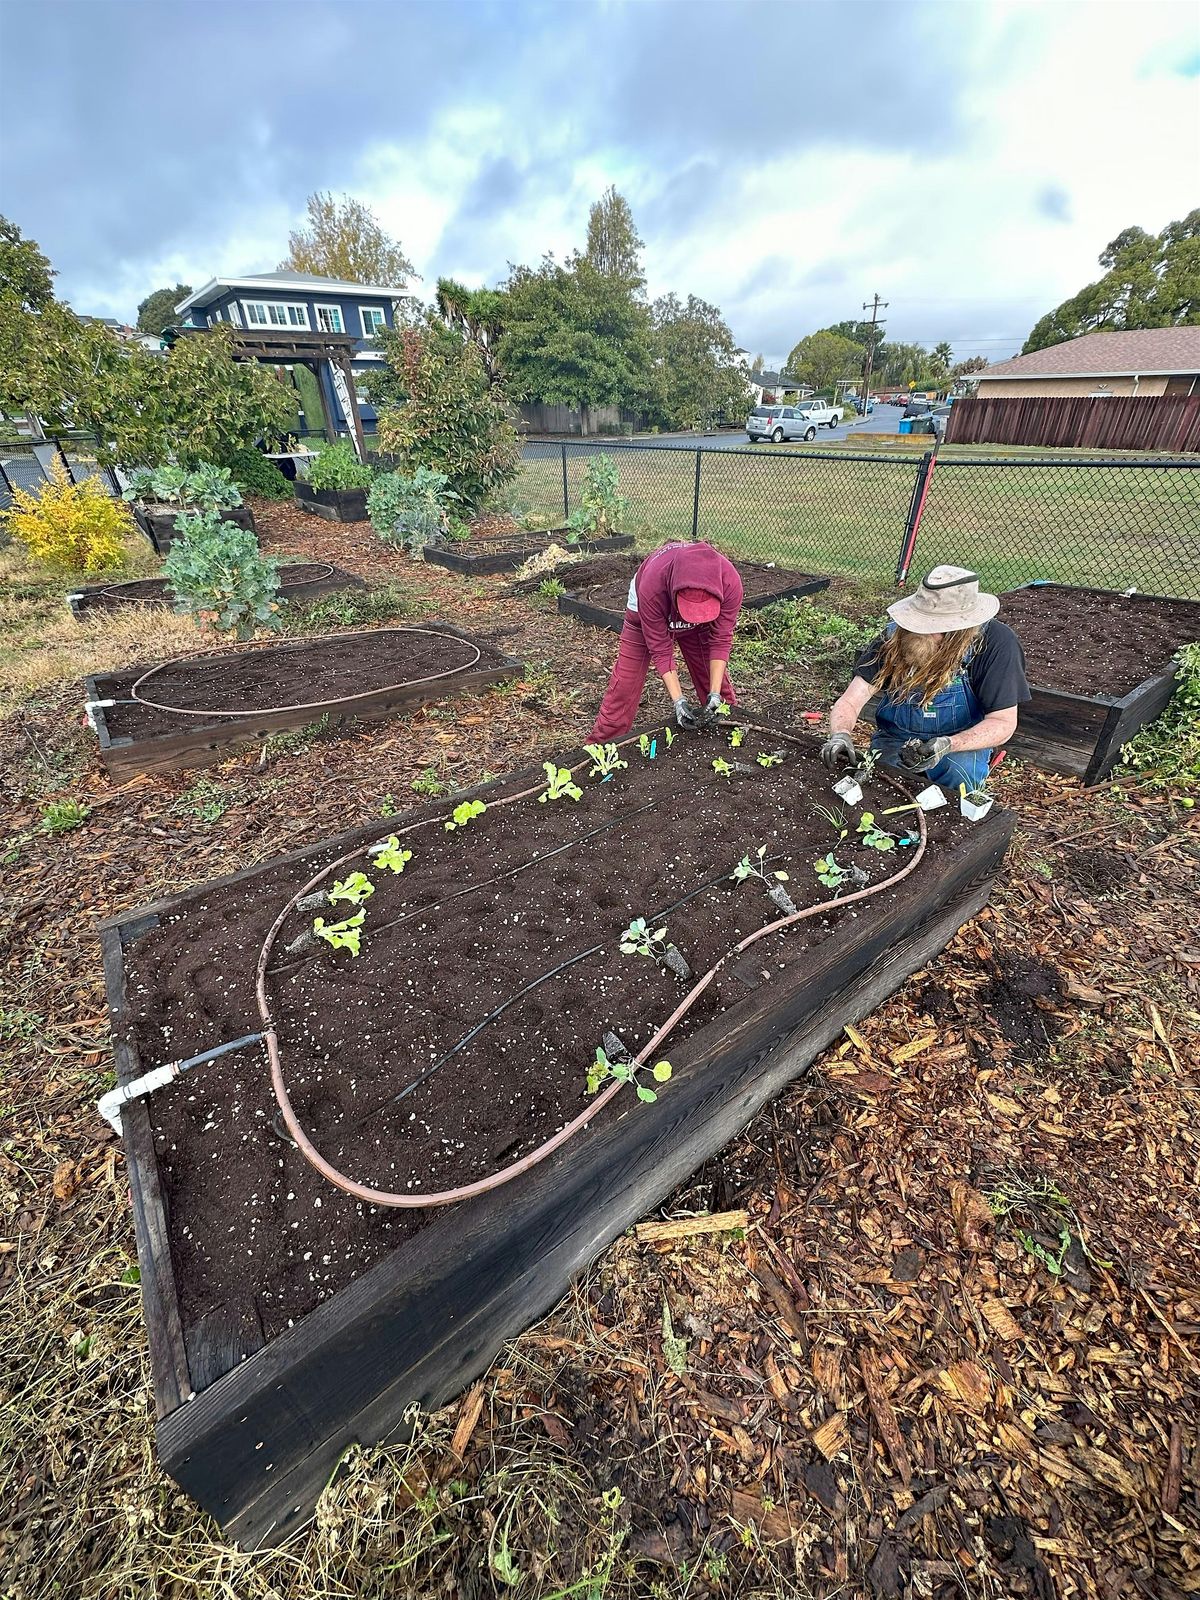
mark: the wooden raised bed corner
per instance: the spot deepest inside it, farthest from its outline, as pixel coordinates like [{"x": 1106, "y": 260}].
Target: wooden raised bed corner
[
  {"x": 252, "y": 1427},
  {"x": 157, "y": 522},
  {"x": 335, "y": 505}
]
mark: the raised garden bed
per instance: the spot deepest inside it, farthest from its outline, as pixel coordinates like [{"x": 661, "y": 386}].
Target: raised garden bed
[
  {"x": 1100, "y": 667},
  {"x": 288, "y": 1318},
  {"x": 505, "y": 552},
  {"x": 157, "y": 522},
  {"x": 603, "y": 605},
  {"x": 296, "y": 582},
  {"x": 225, "y": 698},
  {"x": 335, "y": 505}
]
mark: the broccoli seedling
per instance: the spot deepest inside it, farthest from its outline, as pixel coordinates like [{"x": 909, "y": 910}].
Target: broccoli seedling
[
  {"x": 755, "y": 867},
  {"x": 353, "y": 889},
  {"x": 602, "y": 1068},
  {"x": 830, "y": 872},
  {"x": 345, "y": 935},
  {"x": 559, "y": 783},
  {"x": 875, "y": 837},
  {"x": 637, "y": 940},
  {"x": 721, "y": 766},
  {"x": 389, "y": 854},
  {"x": 735, "y": 738},
  {"x": 606, "y": 760},
  {"x": 463, "y": 814}
]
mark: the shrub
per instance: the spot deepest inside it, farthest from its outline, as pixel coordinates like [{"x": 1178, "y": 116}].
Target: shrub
[
  {"x": 254, "y": 474},
  {"x": 410, "y": 511},
  {"x": 601, "y": 509},
  {"x": 1166, "y": 755},
  {"x": 218, "y": 576},
  {"x": 204, "y": 488},
  {"x": 74, "y": 526},
  {"x": 338, "y": 467}
]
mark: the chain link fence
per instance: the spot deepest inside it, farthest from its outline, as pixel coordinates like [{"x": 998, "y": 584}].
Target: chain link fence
[{"x": 1108, "y": 524}]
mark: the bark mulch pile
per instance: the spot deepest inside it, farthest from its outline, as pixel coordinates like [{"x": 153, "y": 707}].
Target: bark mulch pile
[{"x": 944, "y": 1341}]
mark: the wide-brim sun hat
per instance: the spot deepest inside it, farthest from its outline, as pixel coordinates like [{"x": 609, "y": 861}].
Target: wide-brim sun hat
[
  {"x": 947, "y": 600},
  {"x": 697, "y": 606}
]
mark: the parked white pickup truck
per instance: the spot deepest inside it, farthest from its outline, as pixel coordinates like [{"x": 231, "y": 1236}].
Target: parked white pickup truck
[{"x": 819, "y": 414}]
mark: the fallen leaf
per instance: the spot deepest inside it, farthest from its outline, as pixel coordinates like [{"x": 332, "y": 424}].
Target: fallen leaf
[{"x": 972, "y": 1215}]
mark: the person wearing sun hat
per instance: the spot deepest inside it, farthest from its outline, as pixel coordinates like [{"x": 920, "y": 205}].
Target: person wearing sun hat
[
  {"x": 950, "y": 677},
  {"x": 683, "y": 594}
]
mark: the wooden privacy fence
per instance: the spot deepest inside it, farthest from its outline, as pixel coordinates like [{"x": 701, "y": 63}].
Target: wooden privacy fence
[{"x": 1168, "y": 422}]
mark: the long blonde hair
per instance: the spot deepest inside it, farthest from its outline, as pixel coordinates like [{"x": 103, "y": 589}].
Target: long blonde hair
[{"x": 914, "y": 666}]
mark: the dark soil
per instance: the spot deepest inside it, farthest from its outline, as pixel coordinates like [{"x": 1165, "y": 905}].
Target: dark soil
[
  {"x": 1011, "y": 998},
  {"x": 304, "y": 672},
  {"x": 1099, "y": 873},
  {"x": 1097, "y": 644},
  {"x": 154, "y": 591},
  {"x": 252, "y": 1224},
  {"x": 758, "y": 583},
  {"x": 583, "y": 574}
]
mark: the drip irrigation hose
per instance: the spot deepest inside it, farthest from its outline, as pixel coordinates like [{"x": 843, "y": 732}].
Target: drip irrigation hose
[
  {"x": 325, "y": 570},
  {"x": 304, "y": 705},
  {"x": 532, "y": 1158}
]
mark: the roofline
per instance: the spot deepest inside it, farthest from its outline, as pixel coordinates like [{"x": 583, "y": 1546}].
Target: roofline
[
  {"x": 1107, "y": 372},
  {"x": 201, "y": 296}
]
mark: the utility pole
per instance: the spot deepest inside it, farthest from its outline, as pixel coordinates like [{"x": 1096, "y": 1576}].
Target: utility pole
[{"x": 873, "y": 306}]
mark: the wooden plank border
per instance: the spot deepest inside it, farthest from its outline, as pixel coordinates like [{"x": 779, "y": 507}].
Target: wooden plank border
[
  {"x": 93, "y": 596},
  {"x": 509, "y": 559},
  {"x": 575, "y": 604}
]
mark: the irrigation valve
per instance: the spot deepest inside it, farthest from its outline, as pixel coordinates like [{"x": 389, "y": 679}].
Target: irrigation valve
[
  {"x": 90, "y": 707},
  {"x": 109, "y": 1105}
]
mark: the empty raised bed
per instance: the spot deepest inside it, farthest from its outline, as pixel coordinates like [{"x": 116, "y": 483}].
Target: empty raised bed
[
  {"x": 296, "y": 582},
  {"x": 505, "y": 552},
  {"x": 292, "y": 1313},
  {"x": 1099, "y": 666},
  {"x": 195, "y": 710},
  {"x": 157, "y": 522},
  {"x": 603, "y": 605}
]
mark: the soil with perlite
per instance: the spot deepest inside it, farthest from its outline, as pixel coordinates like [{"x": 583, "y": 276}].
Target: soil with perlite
[
  {"x": 307, "y": 672},
  {"x": 493, "y": 960},
  {"x": 757, "y": 581},
  {"x": 1081, "y": 642}
]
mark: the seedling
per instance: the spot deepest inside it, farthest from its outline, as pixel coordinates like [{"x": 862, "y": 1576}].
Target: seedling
[
  {"x": 637, "y": 940},
  {"x": 559, "y": 783},
  {"x": 464, "y": 814},
  {"x": 721, "y": 709},
  {"x": 647, "y": 745},
  {"x": 835, "y": 819},
  {"x": 606, "y": 760},
  {"x": 736, "y": 736},
  {"x": 60, "y": 816},
  {"x": 873, "y": 836},
  {"x": 389, "y": 854},
  {"x": 721, "y": 766},
  {"x": 353, "y": 889},
  {"x": 669, "y": 736},
  {"x": 345, "y": 935},
  {"x": 603, "y": 1068},
  {"x": 774, "y": 759},
  {"x": 773, "y": 882},
  {"x": 831, "y": 873},
  {"x": 428, "y": 783},
  {"x": 974, "y": 803}
]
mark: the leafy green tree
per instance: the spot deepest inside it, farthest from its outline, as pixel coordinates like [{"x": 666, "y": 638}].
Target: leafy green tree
[
  {"x": 901, "y": 363},
  {"x": 823, "y": 357},
  {"x": 613, "y": 246},
  {"x": 344, "y": 239},
  {"x": 575, "y": 336},
  {"x": 757, "y": 364},
  {"x": 439, "y": 410},
  {"x": 869, "y": 335},
  {"x": 697, "y": 372},
  {"x": 52, "y": 365},
  {"x": 1150, "y": 281},
  {"x": 941, "y": 357},
  {"x": 478, "y": 315},
  {"x": 964, "y": 369},
  {"x": 157, "y": 310},
  {"x": 25, "y": 273}
]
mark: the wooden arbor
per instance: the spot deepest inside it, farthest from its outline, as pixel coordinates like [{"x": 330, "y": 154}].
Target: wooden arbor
[{"x": 314, "y": 350}]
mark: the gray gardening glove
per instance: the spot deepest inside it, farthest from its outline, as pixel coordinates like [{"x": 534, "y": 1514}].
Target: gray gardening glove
[
  {"x": 685, "y": 715},
  {"x": 712, "y": 706},
  {"x": 921, "y": 755},
  {"x": 838, "y": 751}
]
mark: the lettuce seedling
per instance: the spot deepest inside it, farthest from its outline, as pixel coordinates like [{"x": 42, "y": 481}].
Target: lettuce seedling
[
  {"x": 772, "y": 760},
  {"x": 602, "y": 1068},
  {"x": 606, "y": 758},
  {"x": 559, "y": 783},
  {"x": 722, "y": 767},
  {"x": 464, "y": 813},
  {"x": 345, "y": 935},
  {"x": 669, "y": 736},
  {"x": 389, "y": 854},
  {"x": 736, "y": 737},
  {"x": 354, "y": 889}
]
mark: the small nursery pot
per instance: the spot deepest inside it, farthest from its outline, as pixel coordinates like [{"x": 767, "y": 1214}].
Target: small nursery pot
[
  {"x": 849, "y": 789},
  {"x": 930, "y": 798},
  {"x": 973, "y": 810}
]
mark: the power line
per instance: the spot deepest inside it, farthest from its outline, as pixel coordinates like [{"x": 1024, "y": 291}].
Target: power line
[{"x": 873, "y": 308}]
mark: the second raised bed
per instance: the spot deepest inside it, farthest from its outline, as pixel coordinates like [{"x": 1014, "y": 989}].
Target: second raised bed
[
  {"x": 196, "y": 710},
  {"x": 157, "y": 522},
  {"x": 506, "y": 552},
  {"x": 604, "y": 605},
  {"x": 297, "y": 582}
]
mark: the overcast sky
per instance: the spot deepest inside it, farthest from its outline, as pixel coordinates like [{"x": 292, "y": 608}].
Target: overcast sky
[{"x": 968, "y": 161}]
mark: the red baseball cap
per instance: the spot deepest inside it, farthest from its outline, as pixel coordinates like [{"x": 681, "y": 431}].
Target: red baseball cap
[{"x": 697, "y": 606}]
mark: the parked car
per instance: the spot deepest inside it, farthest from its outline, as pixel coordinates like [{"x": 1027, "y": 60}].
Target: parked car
[
  {"x": 778, "y": 423},
  {"x": 820, "y": 414},
  {"x": 918, "y": 408},
  {"x": 856, "y": 402}
]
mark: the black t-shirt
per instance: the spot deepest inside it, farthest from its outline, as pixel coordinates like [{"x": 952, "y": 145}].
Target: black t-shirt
[{"x": 995, "y": 671}]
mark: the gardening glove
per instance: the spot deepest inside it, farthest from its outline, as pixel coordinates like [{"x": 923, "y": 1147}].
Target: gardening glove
[
  {"x": 685, "y": 715},
  {"x": 920, "y": 755},
  {"x": 838, "y": 751},
  {"x": 712, "y": 706}
]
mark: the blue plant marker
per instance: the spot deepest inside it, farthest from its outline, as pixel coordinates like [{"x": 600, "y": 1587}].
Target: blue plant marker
[
  {"x": 653, "y": 748},
  {"x": 606, "y": 777}
]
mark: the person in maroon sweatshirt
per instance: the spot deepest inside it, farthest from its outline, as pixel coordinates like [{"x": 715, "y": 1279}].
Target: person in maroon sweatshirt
[{"x": 685, "y": 594}]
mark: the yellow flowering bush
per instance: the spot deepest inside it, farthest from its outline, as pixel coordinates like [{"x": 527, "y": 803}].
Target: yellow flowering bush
[{"x": 75, "y": 526}]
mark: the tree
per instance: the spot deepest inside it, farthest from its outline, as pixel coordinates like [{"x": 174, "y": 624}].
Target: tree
[
  {"x": 823, "y": 357},
  {"x": 25, "y": 273},
  {"x": 901, "y": 363},
  {"x": 941, "y": 357},
  {"x": 575, "y": 336},
  {"x": 697, "y": 374},
  {"x": 478, "y": 315},
  {"x": 867, "y": 334},
  {"x": 345, "y": 240},
  {"x": 157, "y": 310},
  {"x": 757, "y": 364},
  {"x": 1150, "y": 281},
  {"x": 613, "y": 247},
  {"x": 964, "y": 369},
  {"x": 439, "y": 409}
]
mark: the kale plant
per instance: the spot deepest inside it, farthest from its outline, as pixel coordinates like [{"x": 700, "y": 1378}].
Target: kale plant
[
  {"x": 601, "y": 509},
  {"x": 410, "y": 511},
  {"x": 218, "y": 575}
]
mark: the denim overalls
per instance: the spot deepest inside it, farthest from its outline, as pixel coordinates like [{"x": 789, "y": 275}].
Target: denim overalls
[{"x": 950, "y": 711}]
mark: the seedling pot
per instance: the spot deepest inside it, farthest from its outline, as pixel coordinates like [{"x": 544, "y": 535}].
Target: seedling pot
[
  {"x": 973, "y": 810},
  {"x": 930, "y": 798},
  {"x": 849, "y": 789}
]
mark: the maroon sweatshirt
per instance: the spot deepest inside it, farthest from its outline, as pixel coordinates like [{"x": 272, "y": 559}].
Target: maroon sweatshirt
[{"x": 658, "y": 580}]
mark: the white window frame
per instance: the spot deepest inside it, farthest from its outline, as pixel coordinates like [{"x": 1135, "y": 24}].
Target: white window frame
[
  {"x": 234, "y": 315},
  {"x": 369, "y": 333},
  {"x": 337, "y": 310},
  {"x": 285, "y": 306}
]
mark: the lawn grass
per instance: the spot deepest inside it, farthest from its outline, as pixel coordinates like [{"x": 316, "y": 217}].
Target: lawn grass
[{"x": 1109, "y": 524}]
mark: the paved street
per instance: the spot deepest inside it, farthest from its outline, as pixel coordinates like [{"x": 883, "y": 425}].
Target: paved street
[{"x": 884, "y": 419}]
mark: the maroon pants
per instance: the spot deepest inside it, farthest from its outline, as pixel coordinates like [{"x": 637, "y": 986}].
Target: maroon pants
[{"x": 619, "y": 708}]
